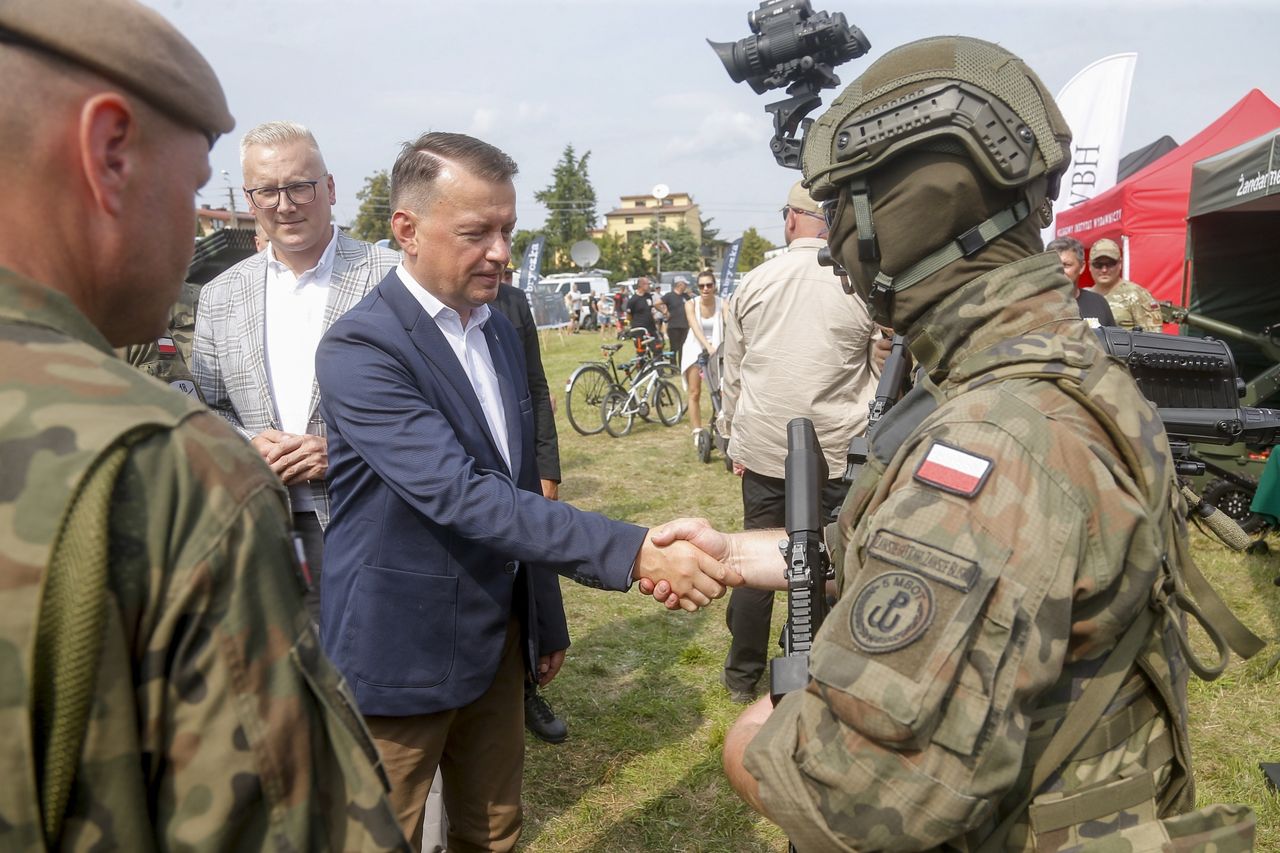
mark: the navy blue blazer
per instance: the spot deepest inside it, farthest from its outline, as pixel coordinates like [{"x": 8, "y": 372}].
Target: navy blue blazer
[{"x": 433, "y": 544}]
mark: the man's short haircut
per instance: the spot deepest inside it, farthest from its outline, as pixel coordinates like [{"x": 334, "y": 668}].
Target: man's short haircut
[
  {"x": 1067, "y": 244},
  {"x": 276, "y": 133},
  {"x": 421, "y": 162}
]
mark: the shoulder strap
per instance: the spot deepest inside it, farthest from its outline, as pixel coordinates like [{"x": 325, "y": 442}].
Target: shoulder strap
[{"x": 69, "y": 639}]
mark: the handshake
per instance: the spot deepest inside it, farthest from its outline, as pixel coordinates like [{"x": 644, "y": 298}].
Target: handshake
[{"x": 686, "y": 563}]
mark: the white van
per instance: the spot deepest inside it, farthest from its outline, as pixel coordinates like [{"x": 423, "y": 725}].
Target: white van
[{"x": 583, "y": 283}]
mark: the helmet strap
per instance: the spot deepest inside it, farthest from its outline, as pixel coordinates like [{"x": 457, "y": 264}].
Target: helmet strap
[{"x": 969, "y": 243}]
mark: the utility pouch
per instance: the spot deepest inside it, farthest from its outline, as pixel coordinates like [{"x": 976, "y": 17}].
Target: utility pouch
[{"x": 1216, "y": 828}]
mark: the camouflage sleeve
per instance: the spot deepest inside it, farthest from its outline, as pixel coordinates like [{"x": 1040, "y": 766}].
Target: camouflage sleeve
[
  {"x": 1150, "y": 318},
  {"x": 250, "y": 739},
  {"x": 955, "y": 615}
]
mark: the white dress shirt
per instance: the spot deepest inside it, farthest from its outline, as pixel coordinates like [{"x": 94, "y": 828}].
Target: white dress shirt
[
  {"x": 295, "y": 319},
  {"x": 472, "y": 350}
]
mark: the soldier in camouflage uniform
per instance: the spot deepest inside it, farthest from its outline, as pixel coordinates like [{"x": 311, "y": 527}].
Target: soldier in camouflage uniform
[
  {"x": 163, "y": 687},
  {"x": 1002, "y": 560},
  {"x": 1132, "y": 304},
  {"x": 166, "y": 358}
]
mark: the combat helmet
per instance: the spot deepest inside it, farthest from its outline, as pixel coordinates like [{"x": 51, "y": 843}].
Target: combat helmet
[{"x": 947, "y": 94}]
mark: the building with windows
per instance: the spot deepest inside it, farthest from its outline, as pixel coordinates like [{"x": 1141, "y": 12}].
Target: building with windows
[{"x": 637, "y": 213}]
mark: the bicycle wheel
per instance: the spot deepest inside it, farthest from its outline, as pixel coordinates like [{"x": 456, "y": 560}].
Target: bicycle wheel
[
  {"x": 614, "y": 415},
  {"x": 667, "y": 402},
  {"x": 583, "y": 395}
]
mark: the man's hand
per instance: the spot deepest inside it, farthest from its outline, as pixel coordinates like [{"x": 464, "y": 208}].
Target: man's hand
[
  {"x": 549, "y": 667},
  {"x": 551, "y": 490},
  {"x": 692, "y": 576},
  {"x": 700, "y": 533},
  {"x": 881, "y": 347},
  {"x": 264, "y": 441},
  {"x": 297, "y": 458}
]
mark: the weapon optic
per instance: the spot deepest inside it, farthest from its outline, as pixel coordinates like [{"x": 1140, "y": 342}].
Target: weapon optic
[{"x": 795, "y": 47}]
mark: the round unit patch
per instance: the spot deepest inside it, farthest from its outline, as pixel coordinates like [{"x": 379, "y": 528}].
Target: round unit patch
[{"x": 892, "y": 611}]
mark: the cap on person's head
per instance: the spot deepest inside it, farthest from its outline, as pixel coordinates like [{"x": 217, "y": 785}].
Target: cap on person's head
[
  {"x": 800, "y": 199},
  {"x": 1105, "y": 248},
  {"x": 130, "y": 45},
  {"x": 680, "y": 280}
]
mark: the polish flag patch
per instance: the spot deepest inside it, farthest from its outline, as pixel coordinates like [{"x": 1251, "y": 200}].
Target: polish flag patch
[
  {"x": 166, "y": 346},
  {"x": 954, "y": 470}
]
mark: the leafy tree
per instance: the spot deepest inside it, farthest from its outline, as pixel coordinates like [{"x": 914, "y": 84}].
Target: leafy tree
[
  {"x": 571, "y": 208},
  {"x": 373, "y": 217},
  {"x": 622, "y": 258},
  {"x": 520, "y": 242},
  {"x": 753, "y": 248},
  {"x": 684, "y": 254}
]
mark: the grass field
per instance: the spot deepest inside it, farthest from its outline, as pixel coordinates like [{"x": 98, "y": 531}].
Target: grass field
[{"x": 647, "y": 715}]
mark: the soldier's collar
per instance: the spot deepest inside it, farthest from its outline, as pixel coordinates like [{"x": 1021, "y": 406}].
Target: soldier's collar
[{"x": 32, "y": 303}]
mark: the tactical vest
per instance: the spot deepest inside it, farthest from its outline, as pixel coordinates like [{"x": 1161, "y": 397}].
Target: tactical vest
[
  {"x": 1156, "y": 645},
  {"x": 51, "y": 460}
]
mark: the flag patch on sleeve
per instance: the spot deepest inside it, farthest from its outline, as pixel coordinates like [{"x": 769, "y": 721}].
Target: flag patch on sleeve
[
  {"x": 166, "y": 346},
  {"x": 954, "y": 470}
]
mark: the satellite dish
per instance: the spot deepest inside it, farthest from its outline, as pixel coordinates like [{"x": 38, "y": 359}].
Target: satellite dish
[
  {"x": 661, "y": 191},
  {"x": 584, "y": 253}
]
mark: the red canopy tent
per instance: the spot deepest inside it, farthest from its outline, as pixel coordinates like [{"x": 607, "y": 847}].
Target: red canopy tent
[{"x": 1147, "y": 212}]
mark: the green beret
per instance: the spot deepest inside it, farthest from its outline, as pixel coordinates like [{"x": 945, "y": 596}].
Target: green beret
[{"x": 130, "y": 45}]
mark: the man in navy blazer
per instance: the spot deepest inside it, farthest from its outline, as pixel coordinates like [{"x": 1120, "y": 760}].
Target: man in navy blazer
[{"x": 435, "y": 586}]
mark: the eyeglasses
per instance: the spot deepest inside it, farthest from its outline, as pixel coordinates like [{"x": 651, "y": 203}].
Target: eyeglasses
[
  {"x": 801, "y": 212},
  {"x": 1102, "y": 263},
  {"x": 710, "y": 285},
  {"x": 300, "y": 192}
]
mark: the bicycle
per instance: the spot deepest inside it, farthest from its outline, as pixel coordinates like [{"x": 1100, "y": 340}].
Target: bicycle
[
  {"x": 588, "y": 385},
  {"x": 649, "y": 392}
]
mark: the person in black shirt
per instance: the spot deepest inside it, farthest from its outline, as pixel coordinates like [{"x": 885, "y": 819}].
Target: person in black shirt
[
  {"x": 539, "y": 718},
  {"x": 677, "y": 321},
  {"x": 640, "y": 308},
  {"x": 1093, "y": 308}
]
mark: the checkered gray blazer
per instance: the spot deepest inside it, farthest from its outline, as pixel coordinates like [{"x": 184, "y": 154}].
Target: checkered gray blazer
[{"x": 228, "y": 356}]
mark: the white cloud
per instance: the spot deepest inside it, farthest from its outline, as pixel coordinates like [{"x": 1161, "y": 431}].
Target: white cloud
[{"x": 720, "y": 132}]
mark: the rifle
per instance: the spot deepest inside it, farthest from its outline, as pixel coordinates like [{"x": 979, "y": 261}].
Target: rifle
[
  {"x": 893, "y": 382},
  {"x": 808, "y": 565}
]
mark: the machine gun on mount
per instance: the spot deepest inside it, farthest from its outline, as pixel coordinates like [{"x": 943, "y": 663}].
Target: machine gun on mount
[{"x": 1232, "y": 470}]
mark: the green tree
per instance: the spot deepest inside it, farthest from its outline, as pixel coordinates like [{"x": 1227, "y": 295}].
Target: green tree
[
  {"x": 373, "y": 217},
  {"x": 571, "y": 208},
  {"x": 684, "y": 253},
  {"x": 623, "y": 259},
  {"x": 753, "y": 248},
  {"x": 519, "y": 243}
]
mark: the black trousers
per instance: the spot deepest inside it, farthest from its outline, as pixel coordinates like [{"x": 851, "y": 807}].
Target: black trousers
[
  {"x": 750, "y": 611},
  {"x": 677, "y": 336}
]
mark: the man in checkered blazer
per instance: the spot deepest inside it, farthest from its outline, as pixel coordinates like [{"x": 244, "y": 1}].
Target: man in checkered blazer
[{"x": 259, "y": 322}]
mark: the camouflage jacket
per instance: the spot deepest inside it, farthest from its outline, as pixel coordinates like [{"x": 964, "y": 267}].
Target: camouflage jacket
[
  {"x": 1134, "y": 307},
  {"x": 167, "y": 357},
  {"x": 216, "y": 723},
  {"x": 990, "y": 557}
]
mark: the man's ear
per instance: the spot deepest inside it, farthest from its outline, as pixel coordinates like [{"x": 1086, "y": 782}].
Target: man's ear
[
  {"x": 404, "y": 227},
  {"x": 109, "y": 138},
  {"x": 333, "y": 190}
]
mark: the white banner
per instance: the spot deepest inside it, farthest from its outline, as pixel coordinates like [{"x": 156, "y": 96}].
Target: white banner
[{"x": 1095, "y": 104}]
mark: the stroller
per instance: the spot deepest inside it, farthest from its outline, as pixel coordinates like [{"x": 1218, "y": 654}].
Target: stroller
[{"x": 711, "y": 438}]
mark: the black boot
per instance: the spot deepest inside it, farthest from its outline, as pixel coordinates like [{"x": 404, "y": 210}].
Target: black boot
[{"x": 540, "y": 719}]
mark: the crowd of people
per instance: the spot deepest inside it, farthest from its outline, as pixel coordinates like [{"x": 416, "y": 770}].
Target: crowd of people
[{"x": 279, "y": 610}]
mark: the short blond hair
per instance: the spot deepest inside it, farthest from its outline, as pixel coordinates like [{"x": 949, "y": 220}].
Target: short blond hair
[{"x": 275, "y": 134}]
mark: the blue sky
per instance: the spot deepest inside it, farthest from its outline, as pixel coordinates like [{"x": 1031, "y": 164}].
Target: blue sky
[{"x": 636, "y": 84}]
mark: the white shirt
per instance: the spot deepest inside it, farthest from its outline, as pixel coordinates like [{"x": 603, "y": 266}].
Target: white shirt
[
  {"x": 295, "y": 320},
  {"x": 472, "y": 350}
]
